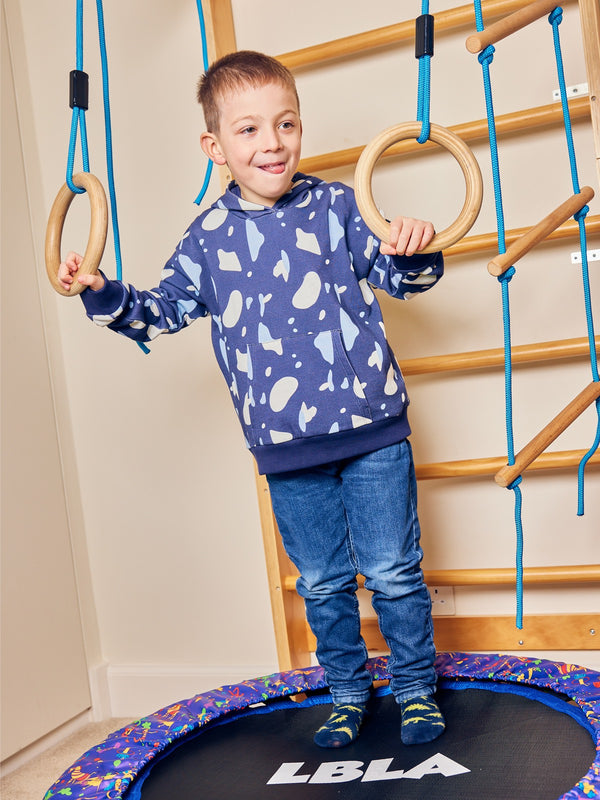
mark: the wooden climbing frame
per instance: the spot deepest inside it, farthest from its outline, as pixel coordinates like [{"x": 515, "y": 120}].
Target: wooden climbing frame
[{"x": 541, "y": 631}]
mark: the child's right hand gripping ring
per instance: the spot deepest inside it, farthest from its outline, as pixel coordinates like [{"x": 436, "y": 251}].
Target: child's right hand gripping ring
[
  {"x": 442, "y": 136},
  {"x": 97, "y": 237}
]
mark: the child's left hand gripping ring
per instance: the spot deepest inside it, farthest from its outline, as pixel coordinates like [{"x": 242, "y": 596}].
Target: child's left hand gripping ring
[
  {"x": 98, "y": 229},
  {"x": 451, "y": 142}
]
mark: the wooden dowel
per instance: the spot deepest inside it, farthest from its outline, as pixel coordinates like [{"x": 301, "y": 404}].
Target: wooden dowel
[
  {"x": 489, "y": 241},
  {"x": 548, "y": 434},
  {"x": 525, "y": 120},
  {"x": 587, "y": 573},
  {"x": 494, "y": 357},
  {"x": 480, "y": 467},
  {"x": 494, "y": 576},
  {"x": 511, "y": 24},
  {"x": 539, "y": 232},
  {"x": 393, "y": 34}
]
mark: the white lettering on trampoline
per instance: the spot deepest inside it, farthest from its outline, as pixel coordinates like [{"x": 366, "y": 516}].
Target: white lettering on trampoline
[{"x": 377, "y": 770}]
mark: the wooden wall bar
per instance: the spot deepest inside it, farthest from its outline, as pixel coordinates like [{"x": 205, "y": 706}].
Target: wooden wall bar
[
  {"x": 481, "y": 467},
  {"x": 481, "y": 359},
  {"x": 532, "y": 576},
  {"x": 388, "y": 35},
  {"x": 524, "y": 121},
  {"x": 489, "y": 241}
]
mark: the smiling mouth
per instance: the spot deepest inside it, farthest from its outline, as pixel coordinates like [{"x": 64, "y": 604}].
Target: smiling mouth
[{"x": 274, "y": 169}]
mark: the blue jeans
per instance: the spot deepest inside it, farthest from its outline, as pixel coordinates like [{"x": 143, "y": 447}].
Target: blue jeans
[{"x": 359, "y": 515}]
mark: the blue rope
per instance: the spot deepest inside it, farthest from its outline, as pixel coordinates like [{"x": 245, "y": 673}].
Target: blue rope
[
  {"x": 424, "y": 88},
  {"x": 209, "y": 166},
  {"x": 78, "y": 115},
  {"x": 78, "y": 124},
  {"x": 108, "y": 139},
  {"x": 485, "y": 59},
  {"x": 555, "y": 19}
]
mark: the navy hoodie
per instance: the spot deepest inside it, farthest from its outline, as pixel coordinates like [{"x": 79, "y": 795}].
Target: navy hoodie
[{"x": 296, "y": 327}]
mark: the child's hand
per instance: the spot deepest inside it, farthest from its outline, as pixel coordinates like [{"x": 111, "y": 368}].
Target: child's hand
[
  {"x": 407, "y": 236},
  {"x": 69, "y": 267}
]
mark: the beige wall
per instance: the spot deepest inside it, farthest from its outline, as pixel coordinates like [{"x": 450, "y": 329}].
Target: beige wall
[{"x": 164, "y": 489}]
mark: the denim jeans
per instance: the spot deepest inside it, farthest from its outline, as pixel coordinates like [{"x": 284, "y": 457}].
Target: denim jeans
[{"x": 359, "y": 515}]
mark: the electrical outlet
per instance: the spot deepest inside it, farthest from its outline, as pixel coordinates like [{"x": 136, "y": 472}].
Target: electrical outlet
[{"x": 442, "y": 600}]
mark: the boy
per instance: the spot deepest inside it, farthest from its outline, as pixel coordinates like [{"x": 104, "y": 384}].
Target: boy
[{"x": 282, "y": 262}]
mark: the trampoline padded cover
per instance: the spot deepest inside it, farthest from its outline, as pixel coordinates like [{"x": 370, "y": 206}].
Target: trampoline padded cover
[{"x": 500, "y": 746}]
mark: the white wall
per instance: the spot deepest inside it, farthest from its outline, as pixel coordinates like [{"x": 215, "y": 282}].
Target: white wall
[
  {"x": 168, "y": 509},
  {"x": 167, "y": 490}
]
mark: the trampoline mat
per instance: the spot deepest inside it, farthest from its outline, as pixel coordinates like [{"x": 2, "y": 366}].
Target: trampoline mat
[{"x": 497, "y": 746}]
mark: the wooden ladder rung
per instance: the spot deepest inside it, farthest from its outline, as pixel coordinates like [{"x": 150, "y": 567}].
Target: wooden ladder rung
[
  {"x": 494, "y": 357},
  {"x": 511, "y": 24},
  {"x": 477, "y": 467},
  {"x": 523, "y": 120},
  {"x": 358, "y": 43},
  {"x": 494, "y": 576},
  {"x": 489, "y": 241},
  {"x": 548, "y": 434},
  {"x": 539, "y": 232}
]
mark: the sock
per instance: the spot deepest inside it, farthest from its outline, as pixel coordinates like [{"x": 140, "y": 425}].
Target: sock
[
  {"x": 342, "y": 726},
  {"x": 422, "y": 720}
]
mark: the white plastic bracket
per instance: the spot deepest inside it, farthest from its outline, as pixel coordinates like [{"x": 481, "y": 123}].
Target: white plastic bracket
[
  {"x": 592, "y": 255},
  {"x": 572, "y": 91}
]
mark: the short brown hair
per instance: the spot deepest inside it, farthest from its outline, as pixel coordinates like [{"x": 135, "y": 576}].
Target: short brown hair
[{"x": 235, "y": 70}]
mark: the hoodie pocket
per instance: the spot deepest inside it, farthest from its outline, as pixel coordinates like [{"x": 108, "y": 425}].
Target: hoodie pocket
[{"x": 300, "y": 387}]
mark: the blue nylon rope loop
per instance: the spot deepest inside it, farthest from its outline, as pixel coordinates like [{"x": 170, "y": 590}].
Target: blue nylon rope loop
[
  {"x": 423, "y": 101},
  {"x": 424, "y": 88},
  {"x": 209, "y": 165},
  {"x": 109, "y": 151},
  {"x": 485, "y": 58},
  {"x": 555, "y": 19},
  {"x": 78, "y": 115},
  {"x": 108, "y": 139}
]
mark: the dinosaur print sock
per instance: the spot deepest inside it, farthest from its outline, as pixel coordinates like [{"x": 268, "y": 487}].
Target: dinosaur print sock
[
  {"x": 342, "y": 725},
  {"x": 422, "y": 720}
]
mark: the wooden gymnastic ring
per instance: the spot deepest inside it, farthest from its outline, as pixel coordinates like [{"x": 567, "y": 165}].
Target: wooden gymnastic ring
[
  {"x": 442, "y": 136},
  {"x": 96, "y": 240}
]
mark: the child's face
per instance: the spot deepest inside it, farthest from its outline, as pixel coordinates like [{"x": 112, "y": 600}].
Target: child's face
[{"x": 259, "y": 139}]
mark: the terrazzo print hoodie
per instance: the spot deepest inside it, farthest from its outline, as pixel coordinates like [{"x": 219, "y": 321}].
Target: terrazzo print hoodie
[{"x": 296, "y": 328}]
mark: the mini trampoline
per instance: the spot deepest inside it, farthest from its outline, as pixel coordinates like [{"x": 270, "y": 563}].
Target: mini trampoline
[{"x": 517, "y": 728}]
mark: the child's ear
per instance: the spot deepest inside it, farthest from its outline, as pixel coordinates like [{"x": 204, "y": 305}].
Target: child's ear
[{"x": 212, "y": 148}]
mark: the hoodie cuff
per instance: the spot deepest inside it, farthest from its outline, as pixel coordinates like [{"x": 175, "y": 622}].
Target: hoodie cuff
[{"x": 106, "y": 301}]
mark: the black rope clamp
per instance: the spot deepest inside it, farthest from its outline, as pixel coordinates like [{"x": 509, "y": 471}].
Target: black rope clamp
[
  {"x": 424, "y": 35},
  {"x": 78, "y": 89}
]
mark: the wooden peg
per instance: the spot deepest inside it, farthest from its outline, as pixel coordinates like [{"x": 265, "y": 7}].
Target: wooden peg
[
  {"x": 548, "y": 434},
  {"x": 539, "y": 232},
  {"x": 508, "y": 25}
]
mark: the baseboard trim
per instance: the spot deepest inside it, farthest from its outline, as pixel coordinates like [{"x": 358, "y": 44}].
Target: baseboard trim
[
  {"x": 100, "y": 692},
  {"x": 136, "y": 690}
]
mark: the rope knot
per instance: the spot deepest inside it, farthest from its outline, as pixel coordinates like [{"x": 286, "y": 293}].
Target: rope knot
[
  {"x": 581, "y": 214},
  {"x": 555, "y": 16},
  {"x": 508, "y": 275},
  {"x": 515, "y": 483},
  {"x": 486, "y": 56}
]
